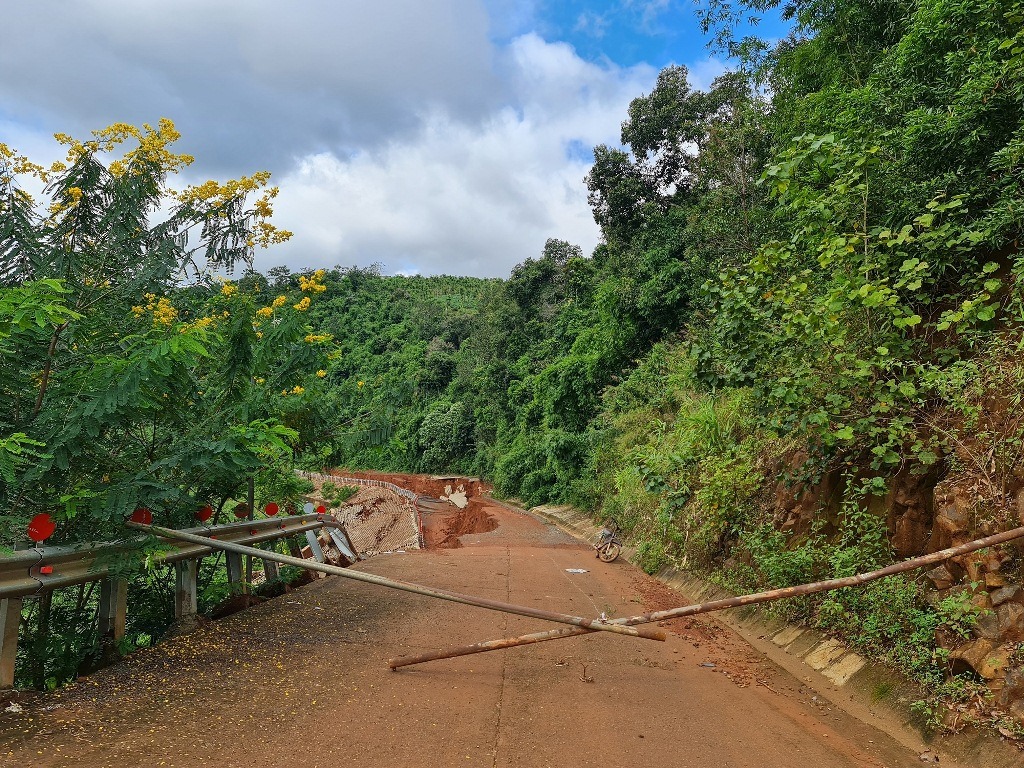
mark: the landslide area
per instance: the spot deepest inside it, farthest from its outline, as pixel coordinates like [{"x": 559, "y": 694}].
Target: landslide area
[{"x": 444, "y": 523}]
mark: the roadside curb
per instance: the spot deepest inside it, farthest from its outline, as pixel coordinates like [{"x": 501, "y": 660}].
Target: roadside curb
[{"x": 871, "y": 692}]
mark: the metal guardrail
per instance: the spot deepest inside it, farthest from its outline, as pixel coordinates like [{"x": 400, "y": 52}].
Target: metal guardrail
[
  {"x": 36, "y": 572},
  {"x": 23, "y": 573}
]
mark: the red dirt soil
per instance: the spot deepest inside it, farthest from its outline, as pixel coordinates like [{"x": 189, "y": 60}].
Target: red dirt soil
[
  {"x": 442, "y": 529},
  {"x": 425, "y": 485}
]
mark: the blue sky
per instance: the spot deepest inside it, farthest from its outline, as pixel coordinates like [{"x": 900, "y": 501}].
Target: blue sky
[
  {"x": 443, "y": 137},
  {"x": 626, "y": 32}
]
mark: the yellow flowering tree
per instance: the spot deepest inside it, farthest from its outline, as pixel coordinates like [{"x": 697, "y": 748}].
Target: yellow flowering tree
[
  {"x": 129, "y": 376},
  {"x": 127, "y": 390},
  {"x": 270, "y": 362}
]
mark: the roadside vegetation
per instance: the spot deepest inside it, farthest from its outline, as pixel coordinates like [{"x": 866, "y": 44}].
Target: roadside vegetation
[
  {"x": 119, "y": 388},
  {"x": 795, "y": 355}
]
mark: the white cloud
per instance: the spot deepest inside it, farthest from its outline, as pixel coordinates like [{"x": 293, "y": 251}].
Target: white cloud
[
  {"x": 472, "y": 198},
  {"x": 245, "y": 78},
  {"x": 703, "y": 73},
  {"x": 593, "y": 24},
  {"x": 400, "y": 132}
]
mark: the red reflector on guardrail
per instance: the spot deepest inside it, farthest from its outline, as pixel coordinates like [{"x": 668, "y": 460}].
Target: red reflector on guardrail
[
  {"x": 41, "y": 527},
  {"x": 142, "y": 515}
]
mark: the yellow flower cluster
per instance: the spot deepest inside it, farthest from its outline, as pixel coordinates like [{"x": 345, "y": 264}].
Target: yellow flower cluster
[
  {"x": 74, "y": 197},
  {"x": 360, "y": 384},
  {"x": 321, "y": 373},
  {"x": 266, "y": 234},
  {"x": 279, "y": 302},
  {"x": 229, "y": 289},
  {"x": 303, "y": 305},
  {"x": 204, "y": 322},
  {"x": 316, "y": 338},
  {"x": 213, "y": 191},
  {"x": 151, "y": 149},
  {"x": 163, "y": 311},
  {"x": 313, "y": 283},
  {"x": 218, "y": 196},
  {"x": 296, "y": 390},
  {"x": 11, "y": 163},
  {"x": 262, "y": 207},
  {"x": 264, "y": 312}
]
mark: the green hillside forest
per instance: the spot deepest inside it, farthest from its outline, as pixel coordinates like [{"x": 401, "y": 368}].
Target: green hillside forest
[{"x": 795, "y": 355}]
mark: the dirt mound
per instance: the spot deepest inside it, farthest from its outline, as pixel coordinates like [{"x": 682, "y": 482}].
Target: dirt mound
[
  {"x": 424, "y": 485},
  {"x": 442, "y": 531}
]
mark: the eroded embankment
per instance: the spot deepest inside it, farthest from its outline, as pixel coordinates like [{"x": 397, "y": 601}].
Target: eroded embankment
[
  {"x": 442, "y": 530},
  {"x": 444, "y": 522}
]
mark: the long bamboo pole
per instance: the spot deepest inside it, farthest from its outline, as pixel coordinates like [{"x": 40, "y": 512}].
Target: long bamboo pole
[
  {"x": 370, "y": 578},
  {"x": 720, "y": 605}
]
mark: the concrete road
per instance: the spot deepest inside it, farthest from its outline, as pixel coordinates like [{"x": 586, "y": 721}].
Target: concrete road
[{"x": 302, "y": 681}]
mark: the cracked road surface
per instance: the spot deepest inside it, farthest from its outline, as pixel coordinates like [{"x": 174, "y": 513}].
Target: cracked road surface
[{"x": 302, "y": 681}]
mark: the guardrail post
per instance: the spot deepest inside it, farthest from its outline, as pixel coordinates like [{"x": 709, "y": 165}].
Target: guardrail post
[
  {"x": 235, "y": 572},
  {"x": 314, "y": 545},
  {"x": 113, "y": 613},
  {"x": 343, "y": 544},
  {"x": 271, "y": 570},
  {"x": 10, "y": 619},
  {"x": 186, "y": 592}
]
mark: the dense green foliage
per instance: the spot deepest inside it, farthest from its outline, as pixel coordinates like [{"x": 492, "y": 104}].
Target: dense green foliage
[
  {"x": 809, "y": 271},
  {"x": 117, "y": 392},
  {"x": 834, "y": 252},
  {"x": 119, "y": 389}
]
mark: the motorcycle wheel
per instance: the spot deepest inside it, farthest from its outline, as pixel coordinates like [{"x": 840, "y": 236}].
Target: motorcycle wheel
[{"x": 608, "y": 552}]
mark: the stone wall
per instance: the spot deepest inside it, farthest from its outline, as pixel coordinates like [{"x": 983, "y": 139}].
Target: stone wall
[
  {"x": 995, "y": 651},
  {"x": 924, "y": 515}
]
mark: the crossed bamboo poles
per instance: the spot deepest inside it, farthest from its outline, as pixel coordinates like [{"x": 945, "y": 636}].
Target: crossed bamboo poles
[
  {"x": 579, "y": 625},
  {"x": 590, "y": 625}
]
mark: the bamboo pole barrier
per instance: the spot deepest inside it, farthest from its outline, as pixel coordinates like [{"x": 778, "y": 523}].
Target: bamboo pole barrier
[
  {"x": 720, "y": 605},
  {"x": 370, "y": 578}
]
